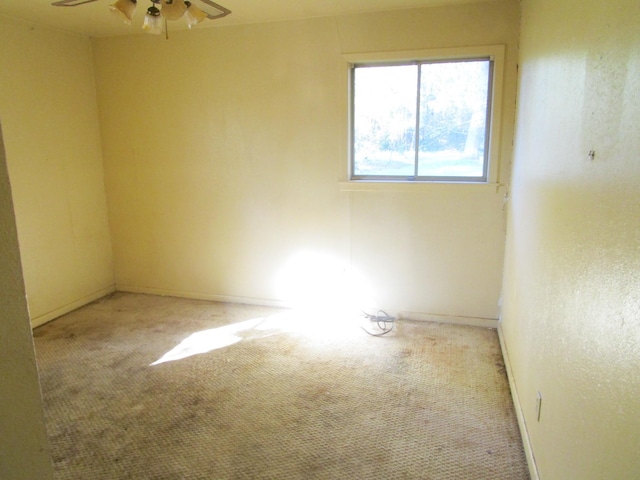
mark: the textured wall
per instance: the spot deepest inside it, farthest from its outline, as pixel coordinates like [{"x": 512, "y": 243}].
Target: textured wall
[
  {"x": 224, "y": 149},
  {"x": 23, "y": 442},
  {"x": 571, "y": 316},
  {"x": 50, "y": 120}
]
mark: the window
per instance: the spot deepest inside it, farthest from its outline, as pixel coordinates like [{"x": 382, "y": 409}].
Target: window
[{"x": 427, "y": 120}]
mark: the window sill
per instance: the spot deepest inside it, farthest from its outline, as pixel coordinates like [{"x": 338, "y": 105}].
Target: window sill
[{"x": 387, "y": 186}]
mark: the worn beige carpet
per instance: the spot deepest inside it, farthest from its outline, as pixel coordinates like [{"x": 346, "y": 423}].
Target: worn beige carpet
[{"x": 145, "y": 387}]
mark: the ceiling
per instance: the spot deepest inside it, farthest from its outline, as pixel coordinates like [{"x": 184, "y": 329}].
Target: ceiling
[{"x": 95, "y": 20}]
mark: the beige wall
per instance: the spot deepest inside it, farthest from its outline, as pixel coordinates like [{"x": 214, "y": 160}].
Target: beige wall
[
  {"x": 224, "y": 149},
  {"x": 571, "y": 319},
  {"x": 24, "y": 452},
  {"x": 49, "y": 113}
]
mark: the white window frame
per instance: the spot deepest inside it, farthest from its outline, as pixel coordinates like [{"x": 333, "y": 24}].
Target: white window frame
[{"x": 493, "y": 52}]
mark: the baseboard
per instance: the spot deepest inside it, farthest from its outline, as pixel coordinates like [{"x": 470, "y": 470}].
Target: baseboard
[
  {"x": 425, "y": 317},
  {"x": 456, "y": 320},
  {"x": 201, "y": 296},
  {"x": 69, "y": 307},
  {"x": 524, "y": 432}
]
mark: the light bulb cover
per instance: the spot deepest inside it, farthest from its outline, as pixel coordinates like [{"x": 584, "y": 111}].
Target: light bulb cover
[
  {"x": 124, "y": 10},
  {"x": 173, "y": 9},
  {"x": 153, "y": 22},
  {"x": 194, "y": 15}
]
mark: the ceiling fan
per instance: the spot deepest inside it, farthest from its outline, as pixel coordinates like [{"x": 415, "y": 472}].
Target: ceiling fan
[{"x": 195, "y": 11}]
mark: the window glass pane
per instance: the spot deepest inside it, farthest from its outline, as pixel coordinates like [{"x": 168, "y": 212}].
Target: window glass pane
[
  {"x": 453, "y": 115},
  {"x": 384, "y": 120}
]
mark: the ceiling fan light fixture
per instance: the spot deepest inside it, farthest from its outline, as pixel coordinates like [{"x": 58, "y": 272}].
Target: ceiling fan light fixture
[
  {"x": 194, "y": 15},
  {"x": 153, "y": 22},
  {"x": 155, "y": 19},
  {"x": 173, "y": 9},
  {"x": 124, "y": 9}
]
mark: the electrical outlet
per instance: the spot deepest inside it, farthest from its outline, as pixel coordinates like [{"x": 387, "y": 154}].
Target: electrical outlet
[{"x": 538, "y": 406}]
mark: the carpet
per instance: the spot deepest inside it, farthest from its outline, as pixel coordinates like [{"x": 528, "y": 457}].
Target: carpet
[{"x": 146, "y": 387}]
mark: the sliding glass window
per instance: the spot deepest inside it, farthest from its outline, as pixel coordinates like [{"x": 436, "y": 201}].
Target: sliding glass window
[{"x": 421, "y": 121}]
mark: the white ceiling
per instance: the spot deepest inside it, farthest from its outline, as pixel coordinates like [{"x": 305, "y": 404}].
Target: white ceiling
[{"x": 95, "y": 20}]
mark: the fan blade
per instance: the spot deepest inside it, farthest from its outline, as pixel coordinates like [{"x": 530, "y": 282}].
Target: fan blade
[
  {"x": 213, "y": 10},
  {"x": 71, "y": 3}
]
